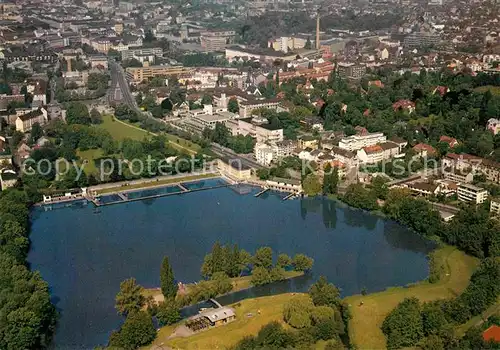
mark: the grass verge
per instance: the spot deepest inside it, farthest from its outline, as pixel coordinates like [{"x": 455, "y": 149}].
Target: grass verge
[{"x": 364, "y": 327}]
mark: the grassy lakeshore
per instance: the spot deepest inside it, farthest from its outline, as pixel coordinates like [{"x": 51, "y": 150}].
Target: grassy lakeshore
[
  {"x": 364, "y": 327},
  {"x": 271, "y": 309}
]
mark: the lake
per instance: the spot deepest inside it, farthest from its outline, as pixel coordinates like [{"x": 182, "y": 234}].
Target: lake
[{"x": 84, "y": 254}]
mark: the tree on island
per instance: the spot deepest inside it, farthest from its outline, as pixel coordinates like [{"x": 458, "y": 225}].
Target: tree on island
[
  {"x": 302, "y": 262},
  {"x": 263, "y": 257},
  {"x": 129, "y": 299},
  {"x": 167, "y": 282},
  {"x": 284, "y": 260},
  {"x": 233, "y": 106},
  {"x": 138, "y": 330}
]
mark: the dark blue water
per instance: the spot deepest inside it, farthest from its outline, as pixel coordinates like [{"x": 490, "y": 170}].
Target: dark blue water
[{"x": 85, "y": 255}]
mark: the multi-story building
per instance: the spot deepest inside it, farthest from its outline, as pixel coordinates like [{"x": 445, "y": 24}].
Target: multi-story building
[
  {"x": 263, "y": 133},
  {"x": 247, "y": 102},
  {"x": 138, "y": 74},
  {"x": 216, "y": 40},
  {"x": 351, "y": 70},
  {"x": 421, "y": 39},
  {"x": 265, "y": 153},
  {"x": 356, "y": 142},
  {"x": 489, "y": 168},
  {"x": 26, "y": 121},
  {"x": 471, "y": 193},
  {"x": 458, "y": 175},
  {"x": 151, "y": 51},
  {"x": 495, "y": 206},
  {"x": 371, "y": 154}
]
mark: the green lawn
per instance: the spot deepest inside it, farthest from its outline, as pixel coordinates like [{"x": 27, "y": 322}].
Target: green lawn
[
  {"x": 495, "y": 90},
  {"x": 223, "y": 337},
  {"x": 120, "y": 130},
  {"x": 88, "y": 157},
  {"x": 364, "y": 327}
]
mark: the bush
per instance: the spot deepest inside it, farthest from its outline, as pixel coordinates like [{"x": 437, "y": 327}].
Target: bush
[
  {"x": 138, "y": 330},
  {"x": 168, "y": 312},
  {"x": 302, "y": 262},
  {"x": 297, "y": 311}
]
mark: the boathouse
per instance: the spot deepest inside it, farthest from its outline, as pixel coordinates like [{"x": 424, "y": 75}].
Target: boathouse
[{"x": 219, "y": 316}]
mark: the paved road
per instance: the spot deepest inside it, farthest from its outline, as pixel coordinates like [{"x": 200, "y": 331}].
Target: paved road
[{"x": 119, "y": 82}]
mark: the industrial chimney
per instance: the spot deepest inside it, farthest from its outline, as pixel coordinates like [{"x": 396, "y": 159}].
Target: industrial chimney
[{"x": 317, "y": 31}]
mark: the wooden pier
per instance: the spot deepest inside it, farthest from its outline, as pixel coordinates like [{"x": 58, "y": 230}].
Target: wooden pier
[{"x": 262, "y": 192}]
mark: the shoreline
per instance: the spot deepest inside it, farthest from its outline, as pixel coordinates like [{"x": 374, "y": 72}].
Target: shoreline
[
  {"x": 364, "y": 326},
  {"x": 241, "y": 283}
]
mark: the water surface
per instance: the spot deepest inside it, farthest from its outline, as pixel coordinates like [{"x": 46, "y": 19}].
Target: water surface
[{"x": 84, "y": 254}]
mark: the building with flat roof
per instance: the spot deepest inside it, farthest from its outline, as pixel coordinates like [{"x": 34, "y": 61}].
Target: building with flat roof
[
  {"x": 356, "y": 142},
  {"x": 142, "y": 51},
  {"x": 471, "y": 193},
  {"x": 495, "y": 206},
  {"x": 138, "y": 74},
  {"x": 351, "y": 70},
  {"x": 263, "y": 133}
]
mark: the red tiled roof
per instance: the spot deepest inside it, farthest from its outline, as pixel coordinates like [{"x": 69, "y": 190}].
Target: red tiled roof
[
  {"x": 424, "y": 147},
  {"x": 403, "y": 104},
  {"x": 449, "y": 140},
  {"x": 373, "y": 149},
  {"x": 492, "y": 334}
]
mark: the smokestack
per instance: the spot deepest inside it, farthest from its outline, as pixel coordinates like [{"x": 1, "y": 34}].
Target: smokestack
[
  {"x": 317, "y": 31},
  {"x": 68, "y": 60}
]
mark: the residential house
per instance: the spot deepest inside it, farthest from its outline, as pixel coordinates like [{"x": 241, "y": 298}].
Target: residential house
[
  {"x": 304, "y": 142},
  {"x": 405, "y": 105},
  {"x": 452, "y": 142},
  {"x": 25, "y": 122},
  {"x": 402, "y": 143},
  {"x": 424, "y": 150},
  {"x": 347, "y": 157},
  {"x": 371, "y": 154},
  {"x": 493, "y": 125},
  {"x": 441, "y": 90}
]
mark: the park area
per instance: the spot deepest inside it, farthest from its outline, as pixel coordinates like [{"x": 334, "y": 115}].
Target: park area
[
  {"x": 251, "y": 316},
  {"x": 369, "y": 311},
  {"x": 120, "y": 130}
]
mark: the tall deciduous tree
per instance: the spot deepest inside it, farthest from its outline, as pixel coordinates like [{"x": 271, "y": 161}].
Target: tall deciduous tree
[
  {"x": 263, "y": 257},
  {"x": 167, "y": 282},
  {"x": 129, "y": 299},
  {"x": 138, "y": 330}
]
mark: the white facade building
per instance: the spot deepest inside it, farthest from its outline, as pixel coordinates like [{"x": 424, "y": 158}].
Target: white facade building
[
  {"x": 471, "y": 193},
  {"x": 356, "y": 142}
]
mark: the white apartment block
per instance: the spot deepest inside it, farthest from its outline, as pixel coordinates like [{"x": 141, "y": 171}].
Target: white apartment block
[
  {"x": 471, "y": 193},
  {"x": 263, "y": 133},
  {"x": 356, "y": 142},
  {"x": 495, "y": 207},
  {"x": 266, "y": 153}
]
